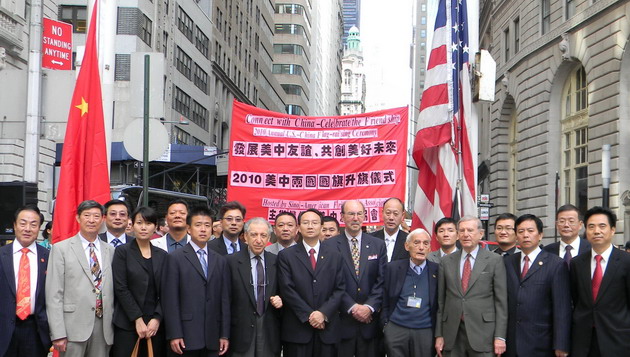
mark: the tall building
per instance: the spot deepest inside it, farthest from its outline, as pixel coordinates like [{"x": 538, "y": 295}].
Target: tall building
[
  {"x": 353, "y": 80},
  {"x": 351, "y": 16},
  {"x": 562, "y": 86}
]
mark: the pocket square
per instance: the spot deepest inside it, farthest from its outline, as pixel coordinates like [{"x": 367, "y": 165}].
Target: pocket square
[{"x": 372, "y": 257}]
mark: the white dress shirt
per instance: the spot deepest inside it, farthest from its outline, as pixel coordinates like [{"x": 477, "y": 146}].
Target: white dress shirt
[
  {"x": 390, "y": 243},
  {"x": 196, "y": 249},
  {"x": 32, "y": 261},
  {"x": 97, "y": 249},
  {"x": 575, "y": 247},
  {"x": 532, "y": 257},
  {"x": 443, "y": 253},
  {"x": 308, "y": 249},
  {"x": 254, "y": 262},
  {"x": 111, "y": 237},
  {"x": 605, "y": 257},
  {"x": 473, "y": 258}
]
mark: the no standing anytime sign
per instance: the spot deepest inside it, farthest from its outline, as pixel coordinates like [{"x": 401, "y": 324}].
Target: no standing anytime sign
[{"x": 56, "y": 45}]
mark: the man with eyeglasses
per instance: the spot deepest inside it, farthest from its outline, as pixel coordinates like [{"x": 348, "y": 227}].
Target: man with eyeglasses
[
  {"x": 255, "y": 322},
  {"x": 568, "y": 223},
  {"x": 505, "y": 234},
  {"x": 286, "y": 232},
  {"x": 116, "y": 220},
  {"x": 394, "y": 237},
  {"x": 232, "y": 220}
]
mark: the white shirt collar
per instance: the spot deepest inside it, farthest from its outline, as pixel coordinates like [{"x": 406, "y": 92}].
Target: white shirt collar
[
  {"x": 390, "y": 237},
  {"x": 575, "y": 246},
  {"x": 197, "y": 248},
  {"x": 605, "y": 254},
  {"x": 532, "y": 256},
  {"x": 252, "y": 255},
  {"x": 443, "y": 253},
  {"x": 308, "y": 248},
  {"x": 473, "y": 254},
  {"x": 17, "y": 247},
  {"x": 111, "y": 237},
  {"x": 85, "y": 243}
]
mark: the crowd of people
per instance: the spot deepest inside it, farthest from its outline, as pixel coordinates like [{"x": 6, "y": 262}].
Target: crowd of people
[{"x": 189, "y": 284}]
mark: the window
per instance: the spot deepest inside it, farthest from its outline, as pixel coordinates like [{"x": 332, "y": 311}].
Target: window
[
  {"x": 294, "y": 69},
  {"x": 185, "y": 24},
  {"x": 546, "y": 16},
  {"x": 75, "y": 15},
  {"x": 293, "y": 89},
  {"x": 201, "y": 79},
  {"x": 294, "y": 109},
  {"x": 517, "y": 35},
  {"x": 122, "y": 67},
  {"x": 146, "y": 29},
  {"x": 181, "y": 102},
  {"x": 183, "y": 62},
  {"x": 423, "y": 33},
  {"x": 197, "y": 142},
  {"x": 569, "y": 9},
  {"x": 294, "y": 9},
  {"x": 180, "y": 136},
  {"x": 575, "y": 140},
  {"x": 201, "y": 42},
  {"x": 292, "y": 29},
  {"x": 506, "y": 44},
  {"x": 423, "y": 20},
  {"x": 199, "y": 115},
  {"x": 164, "y": 42}
]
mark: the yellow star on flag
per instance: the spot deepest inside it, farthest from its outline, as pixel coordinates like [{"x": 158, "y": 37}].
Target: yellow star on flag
[{"x": 83, "y": 106}]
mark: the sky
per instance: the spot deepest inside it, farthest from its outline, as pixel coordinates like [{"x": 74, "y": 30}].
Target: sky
[{"x": 386, "y": 36}]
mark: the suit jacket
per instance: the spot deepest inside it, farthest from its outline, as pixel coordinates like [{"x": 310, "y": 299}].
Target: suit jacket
[
  {"x": 163, "y": 244},
  {"x": 218, "y": 245},
  {"x": 367, "y": 288},
  {"x": 304, "y": 290},
  {"x": 70, "y": 294},
  {"x": 539, "y": 306},
  {"x": 131, "y": 281},
  {"x": 8, "y": 297},
  {"x": 399, "y": 247},
  {"x": 244, "y": 305},
  {"x": 103, "y": 237},
  {"x": 274, "y": 248},
  {"x": 196, "y": 308},
  {"x": 395, "y": 274},
  {"x": 436, "y": 256},
  {"x": 609, "y": 314},
  {"x": 554, "y": 248},
  {"x": 485, "y": 314}
]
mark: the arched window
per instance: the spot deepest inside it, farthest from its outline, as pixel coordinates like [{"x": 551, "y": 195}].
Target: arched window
[{"x": 574, "y": 159}]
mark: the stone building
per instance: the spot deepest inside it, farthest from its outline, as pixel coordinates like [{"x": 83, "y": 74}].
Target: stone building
[{"x": 353, "y": 85}]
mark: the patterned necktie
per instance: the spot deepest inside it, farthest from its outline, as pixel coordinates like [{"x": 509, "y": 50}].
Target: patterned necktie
[
  {"x": 466, "y": 273},
  {"x": 23, "y": 308},
  {"x": 116, "y": 242},
  {"x": 95, "y": 267},
  {"x": 233, "y": 245},
  {"x": 313, "y": 259},
  {"x": 597, "y": 276},
  {"x": 567, "y": 256},
  {"x": 204, "y": 263},
  {"x": 260, "y": 286},
  {"x": 525, "y": 267},
  {"x": 355, "y": 255}
]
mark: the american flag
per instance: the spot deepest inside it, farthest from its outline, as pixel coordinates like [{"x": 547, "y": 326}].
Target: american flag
[{"x": 442, "y": 150}]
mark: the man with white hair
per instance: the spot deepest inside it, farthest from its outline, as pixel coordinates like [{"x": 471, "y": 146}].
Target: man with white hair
[{"x": 410, "y": 300}]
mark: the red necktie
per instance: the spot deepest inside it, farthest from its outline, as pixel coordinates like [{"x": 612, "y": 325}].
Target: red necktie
[
  {"x": 313, "y": 260},
  {"x": 597, "y": 276},
  {"x": 466, "y": 273},
  {"x": 23, "y": 308},
  {"x": 525, "y": 267}
]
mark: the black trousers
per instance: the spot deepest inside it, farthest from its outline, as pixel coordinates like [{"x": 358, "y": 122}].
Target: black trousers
[
  {"x": 314, "y": 348},
  {"x": 25, "y": 341}
]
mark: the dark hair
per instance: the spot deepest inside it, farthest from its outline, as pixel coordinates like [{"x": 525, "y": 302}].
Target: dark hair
[
  {"x": 529, "y": 217},
  {"x": 178, "y": 201},
  {"x": 503, "y": 216},
  {"x": 29, "y": 207},
  {"x": 147, "y": 213},
  {"x": 330, "y": 219},
  {"x": 161, "y": 222},
  {"x": 321, "y": 216},
  {"x": 198, "y": 211},
  {"x": 89, "y": 204},
  {"x": 567, "y": 208},
  {"x": 612, "y": 217},
  {"x": 443, "y": 221},
  {"x": 286, "y": 213},
  {"x": 228, "y": 206},
  {"x": 395, "y": 199},
  {"x": 110, "y": 203},
  {"x": 45, "y": 231},
  {"x": 627, "y": 245}
]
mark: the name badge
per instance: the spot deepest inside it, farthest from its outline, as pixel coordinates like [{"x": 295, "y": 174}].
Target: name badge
[{"x": 414, "y": 302}]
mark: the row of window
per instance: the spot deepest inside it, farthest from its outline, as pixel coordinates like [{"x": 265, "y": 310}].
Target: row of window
[
  {"x": 190, "y": 108},
  {"x": 293, "y": 9},
  {"x": 294, "y": 69},
  {"x": 192, "y": 32},
  {"x": 293, "y": 29},
  {"x": 291, "y": 49}
]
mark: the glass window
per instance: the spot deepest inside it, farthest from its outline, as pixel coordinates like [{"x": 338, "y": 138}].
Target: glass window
[
  {"x": 546, "y": 16},
  {"x": 183, "y": 62},
  {"x": 185, "y": 24},
  {"x": 75, "y": 15}
]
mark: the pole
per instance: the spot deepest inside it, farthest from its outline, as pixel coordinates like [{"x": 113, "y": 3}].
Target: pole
[
  {"x": 145, "y": 134},
  {"x": 606, "y": 175},
  {"x": 33, "y": 105},
  {"x": 557, "y": 198}
]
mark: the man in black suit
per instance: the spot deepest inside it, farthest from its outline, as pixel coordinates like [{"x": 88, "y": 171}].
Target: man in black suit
[
  {"x": 394, "y": 237},
  {"x": 600, "y": 286},
  {"x": 539, "y": 299},
  {"x": 116, "y": 221},
  {"x": 365, "y": 258},
  {"x": 410, "y": 300},
  {"x": 196, "y": 293},
  {"x": 568, "y": 223},
  {"x": 232, "y": 220},
  {"x": 23, "y": 321},
  {"x": 311, "y": 286},
  {"x": 255, "y": 301}
]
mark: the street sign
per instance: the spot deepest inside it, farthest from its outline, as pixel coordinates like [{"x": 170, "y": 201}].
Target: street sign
[
  {"x": 484, "y": 213},
  {"x": 488, "y": 205},
  {"x": 56, "y": 45},
  {"x": 484, "y": 198}
]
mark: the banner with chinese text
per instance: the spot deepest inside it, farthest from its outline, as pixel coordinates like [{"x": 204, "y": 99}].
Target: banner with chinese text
[{"x": 280, "y": 162}]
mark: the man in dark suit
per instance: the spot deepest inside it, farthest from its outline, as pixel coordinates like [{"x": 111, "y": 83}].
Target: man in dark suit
[
  {"x": 394, "y": 237},
  {"x": 568, "y": 223},
  {"x": 365, "y": 258},
  {"x": 196, "y": 293},
  {"x": 311, "y": 286},
  {"x": 539, "y": 299},
  {"x": 410, "y": 300},
  {"x": 232, "y": 220},
  {"x": 23, "y": 319},
  {"x": 472, "y": 297},
  {"x": 600, "y": 286},
  {"x": 255, "y": 301},
  {"x": 116, "y": 220}
]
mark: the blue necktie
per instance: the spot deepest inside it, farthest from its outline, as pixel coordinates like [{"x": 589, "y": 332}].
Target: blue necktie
[
  {"x": 204, "y": 263},
  {"x": 116, "y": 242},
  {"x": 418, "y": 269}
]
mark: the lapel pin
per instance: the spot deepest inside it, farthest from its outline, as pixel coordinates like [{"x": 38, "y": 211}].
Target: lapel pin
[
  {"x": 434, "y": 276},
  {"x": 321, "y": 257},
  {"x": 540, "y": 263},
  {"x": 41, "y": 260},
  {"x": 367, "y": 246}
]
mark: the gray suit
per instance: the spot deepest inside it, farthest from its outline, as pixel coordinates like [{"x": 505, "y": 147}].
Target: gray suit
[
  {"x": 70, "y": 297},
  {"x": 275, "y": 248},
  {"x": 436, "y": 256},
  {"x": 484, "y": 315}
]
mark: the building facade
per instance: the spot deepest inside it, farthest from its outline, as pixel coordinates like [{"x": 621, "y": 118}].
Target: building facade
[
  {"x": 562, "y": 93},
  {"x": 353, "y": 85}
]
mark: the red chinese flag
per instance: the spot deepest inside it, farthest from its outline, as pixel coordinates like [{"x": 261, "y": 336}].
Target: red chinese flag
[{"x": 84, "y": 165}]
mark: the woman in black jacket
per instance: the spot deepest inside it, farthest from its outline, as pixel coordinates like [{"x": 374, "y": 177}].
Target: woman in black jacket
[{"x": 137, "y": 268}]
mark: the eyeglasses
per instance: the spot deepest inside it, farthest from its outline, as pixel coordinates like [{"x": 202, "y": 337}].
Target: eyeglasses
[
  {"x": 569, "y": 222},
  {"x": 501, "y": 229},
  {"x": 233, "y": 219}
]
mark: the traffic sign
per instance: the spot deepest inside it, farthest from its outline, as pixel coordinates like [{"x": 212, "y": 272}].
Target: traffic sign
[
  {"x": 56, "y": 45},
  {"x": 488, "y": 205}
]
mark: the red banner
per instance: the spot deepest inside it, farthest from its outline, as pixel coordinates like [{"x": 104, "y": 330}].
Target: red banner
[{"x": 280, "y": 162}]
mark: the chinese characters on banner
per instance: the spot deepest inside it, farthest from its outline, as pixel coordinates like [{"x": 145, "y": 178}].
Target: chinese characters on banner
[{"x": 280, "y": 162}]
